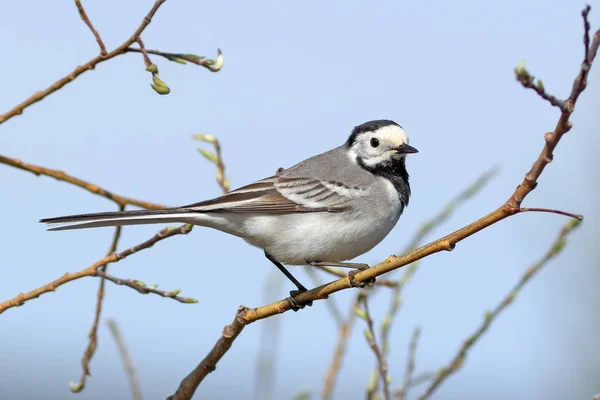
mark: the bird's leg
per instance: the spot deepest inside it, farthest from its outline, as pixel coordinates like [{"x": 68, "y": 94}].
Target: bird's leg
[
  {"x": 301, "y": 288},
  {"x": 357, "y": 268}
]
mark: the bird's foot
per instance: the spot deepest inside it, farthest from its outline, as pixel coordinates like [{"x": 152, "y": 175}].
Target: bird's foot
[
  {"x": 294, "y": 304},
  {"x": 359, "y": 285},
  {"x": 358, "y": 267}
]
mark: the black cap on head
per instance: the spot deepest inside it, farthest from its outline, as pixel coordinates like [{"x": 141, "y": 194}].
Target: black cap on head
[{"x": 369, "y": 126}]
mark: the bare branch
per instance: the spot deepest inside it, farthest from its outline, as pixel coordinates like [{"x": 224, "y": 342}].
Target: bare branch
[
  {"x": 527, "y": 80},
  {"x": 142, "y": 288},
  {"x": 93, "y": 335},
  {"x": 381, "y": 361},
  {"x": 410, "y": 364},
  {"x": 586, "y": 30},
  {"x": 191, "y": 382},
  {"x": 21, "y": 298},
  {"x": 134, "y": 384},
  {"x": 90, "y": 187},
  {"x": 212, "y": 66},
  {"x": 87, "y": 21},
  {"x": 340, "y": 350},
  {"x": 446, "y": 243},
  {"x": 458, "y": 360},
  {"x": 181, "y": 58},
  {"x": 339, "y": 273}
]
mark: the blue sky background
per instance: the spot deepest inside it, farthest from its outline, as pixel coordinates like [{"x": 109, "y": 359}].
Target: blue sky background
[{"x": 297, "y": 77}]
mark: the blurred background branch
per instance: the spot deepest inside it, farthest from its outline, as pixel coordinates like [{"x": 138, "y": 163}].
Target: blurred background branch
[
  {"x": 381, "y": 347},
  {"x": 134, "y": 384},
  {"x": 489, "y": 317}
]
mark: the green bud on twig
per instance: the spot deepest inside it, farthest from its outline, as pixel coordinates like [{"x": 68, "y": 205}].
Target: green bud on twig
[
  {"x": 152, "y": 68},
  {"x": 208, "y": 155}
]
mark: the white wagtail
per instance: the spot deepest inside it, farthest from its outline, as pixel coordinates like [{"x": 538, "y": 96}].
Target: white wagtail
[{"x": 324, "y": 210}]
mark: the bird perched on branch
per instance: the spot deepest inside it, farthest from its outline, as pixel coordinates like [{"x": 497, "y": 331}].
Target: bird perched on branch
[{"x": 324, "y": 210}]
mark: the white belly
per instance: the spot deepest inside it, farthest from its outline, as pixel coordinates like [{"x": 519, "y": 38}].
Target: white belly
[{"x": 295, "y": 238}]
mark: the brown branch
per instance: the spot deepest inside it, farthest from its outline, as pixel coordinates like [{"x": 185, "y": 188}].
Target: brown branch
[
  {"x": 458, "y": 360},
  {"x": 446, "y": 243},
  {"x": 372, "y": 341},
  {"x": 21, "y": 298},
  {"x": 340, "y": 350},
  {"x": 93, "y": 334},
  {"x": 527, "y": 80},
  {"x": 339, "y": 273},
  {"x": 147, "y": 61},
  {"x": 90, "y": 187},
  {"x": 91, "y": 64},
  {"x": 142, "y": 288},
  {"x": 87, "y": 21},
  {"x": 209, "y": 363},
  {"x": 134, "y": 384},
  {"x": 586, "y": 30},
  {"x": 410, "y": 364},
  {"x": 426, "y": 228}
]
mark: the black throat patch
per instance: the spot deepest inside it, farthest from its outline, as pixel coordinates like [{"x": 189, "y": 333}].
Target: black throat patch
[{"x": 395, "y": 172}]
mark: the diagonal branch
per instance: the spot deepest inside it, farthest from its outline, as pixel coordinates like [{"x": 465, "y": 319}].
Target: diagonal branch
[
  {"x": 189, "y": 385},
  {"x": 91, "y": 64},
  {"x": 136, "y": 391},
  {"x": 142, "y": 288},
  {"x": 21, "y": 298},
  {"x": 458, "y": 360},
  {"x": 87, "y": 21},
  {"x": 381, "y": 361},
  {"x": 90, "y": 187},
  {"x": 446, "y": 243},
  {"x": 410, "y": 364}
]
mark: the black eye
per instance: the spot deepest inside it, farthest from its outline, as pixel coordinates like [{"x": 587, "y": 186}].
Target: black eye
[{"x": 374, "y": 142}]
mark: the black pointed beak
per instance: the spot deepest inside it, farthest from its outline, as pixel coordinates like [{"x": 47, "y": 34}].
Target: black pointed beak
[{"x": 406, "y": 149}]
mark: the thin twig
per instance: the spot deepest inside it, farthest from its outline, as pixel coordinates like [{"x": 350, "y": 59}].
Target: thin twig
[
  {"x": 339, "y": 273},
  {"x": 381, "y": 361},
  {"x": 181, "y": 58},
  {"x": 91, "y": 64},
  {"x": 528, "y": 81},
  {"x": 142, "y": 288},
  {"x": 586, "y": 30},
  {"x": 21, "y": 298},
  {"x": 134, "y": 384},
  {"x": 426, "y": 228},
  {"x": 90, "y": 187},
  {"x": 216, "y": 158},
  {"x": 458, "y": 360},
  {"x": 446, "y": 243},
  {"x": 338, "y": 355},
  {"x": 93, "y": 334},
  {"x": 87, "y": 21},
  {"x": 147, "y": 61},
  {"x": 552, "y": 211},
  {"x": 410, "y": 364},
  {"x": 209, "y": 363}
]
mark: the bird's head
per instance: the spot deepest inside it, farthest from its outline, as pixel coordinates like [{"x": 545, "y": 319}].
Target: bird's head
[{"x": 378, "y": 143}]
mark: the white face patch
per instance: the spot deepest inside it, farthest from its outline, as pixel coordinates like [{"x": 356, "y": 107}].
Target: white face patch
[{"x": 377, "y": 147}]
